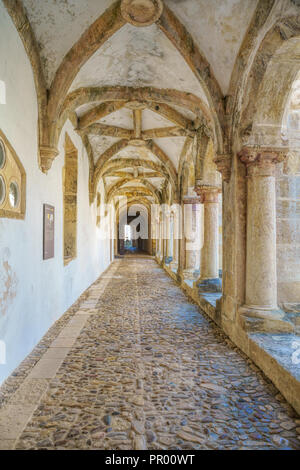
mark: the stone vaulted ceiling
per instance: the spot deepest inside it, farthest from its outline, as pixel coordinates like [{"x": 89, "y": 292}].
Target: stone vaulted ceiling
[
  {"x": 135, "y": 135},
  {"x": 217, "y": 26}
]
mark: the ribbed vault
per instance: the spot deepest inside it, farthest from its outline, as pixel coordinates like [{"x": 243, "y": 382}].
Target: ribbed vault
[{"x": 143, "y": 86}]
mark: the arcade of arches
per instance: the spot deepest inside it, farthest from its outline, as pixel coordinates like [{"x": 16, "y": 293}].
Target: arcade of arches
[{"x": 150, "y": 224}]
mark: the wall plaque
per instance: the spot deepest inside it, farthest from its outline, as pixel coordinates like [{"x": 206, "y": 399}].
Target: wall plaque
[{"x": 48, "y": 232}]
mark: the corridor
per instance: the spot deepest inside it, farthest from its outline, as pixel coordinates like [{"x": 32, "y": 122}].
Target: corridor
[{"x": 135, "y": 365}]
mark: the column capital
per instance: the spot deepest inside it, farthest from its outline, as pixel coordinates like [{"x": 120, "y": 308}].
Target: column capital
[
  {"x": 262, "y": 160},
  {"x": 191, "y": 200},
  {"x": 207, "y": 193},
  {"x": 223, "y": 163}
]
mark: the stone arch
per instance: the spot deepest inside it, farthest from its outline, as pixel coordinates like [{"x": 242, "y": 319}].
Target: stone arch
[
  {"x": 131, "y": 162},
  {"x": 272, "y": 74},
  {"x": 242, "y": 65},
  {"x": 143, "y": 241},
  {"x": 18, "y": 15},
  {"x": 93, "y": 38},
  {"x": 122, "y": 144},
  {"x": 104, "y": 27},
  {"x": 120, "y": 94},
  {"x": 133, "y": 200},
  {"x": 51, "y": 102},
  {"x": 287, "y": 204},
  {"x": 120, "y": 185}
]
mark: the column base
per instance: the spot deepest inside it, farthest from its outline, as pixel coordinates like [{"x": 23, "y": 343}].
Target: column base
[{"x": 264, "y": 320}]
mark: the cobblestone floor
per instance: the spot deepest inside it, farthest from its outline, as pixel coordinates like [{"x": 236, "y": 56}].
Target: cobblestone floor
[{"x": 148, "y": 370}]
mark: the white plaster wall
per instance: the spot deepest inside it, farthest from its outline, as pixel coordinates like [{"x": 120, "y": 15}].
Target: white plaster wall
[{"x": 34, "y": 293}]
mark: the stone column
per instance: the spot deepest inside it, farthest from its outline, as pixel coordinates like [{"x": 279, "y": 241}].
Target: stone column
[
  {"x": 175, "y": 244},
  {"x": 261, "y": 277},
  {"x": 192, "y": 237},
  {"x": 161, "y": 240},
  {"x": 167, "y": 252},
  {"x": 210, "y": 250},
  {"x": 224, "y": 162}
]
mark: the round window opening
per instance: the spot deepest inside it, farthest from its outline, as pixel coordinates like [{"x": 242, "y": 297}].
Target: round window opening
[
  {"x": 2, "y": 190},
  {"x": 2, "y": 154},
  {"x": 14, "y": 194}
]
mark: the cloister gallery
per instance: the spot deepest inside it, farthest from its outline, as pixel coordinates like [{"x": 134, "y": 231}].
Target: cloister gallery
[{"x": 149, "y": 224}]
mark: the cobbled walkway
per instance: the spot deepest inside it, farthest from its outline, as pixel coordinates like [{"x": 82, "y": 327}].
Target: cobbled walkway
[{"x": 150, "y": 371}]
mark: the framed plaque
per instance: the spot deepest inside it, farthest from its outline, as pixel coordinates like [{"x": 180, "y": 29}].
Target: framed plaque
[{"x": 48, "y": 232}]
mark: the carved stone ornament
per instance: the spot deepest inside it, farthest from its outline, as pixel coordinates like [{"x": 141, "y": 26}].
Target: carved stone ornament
[
  {"x": 141, "y": 12},
  {"x": 262, "y": 160},
  {"x": 47, "y": 155},
  {"x": 207, "y": 193}
]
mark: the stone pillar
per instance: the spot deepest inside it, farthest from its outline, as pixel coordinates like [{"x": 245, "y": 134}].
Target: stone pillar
[
  {"x": 159, "y": 238},
  {"x": 224, "y": 162},
  {"x": 261, "y": 276},
  {"x": 175, "y": 244},
  {"x": 167, "y": 244},
  {"x": 210, "y": 250},
  {"x": 191, "y": 237}
]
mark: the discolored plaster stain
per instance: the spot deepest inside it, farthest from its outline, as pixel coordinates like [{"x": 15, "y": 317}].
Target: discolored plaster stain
[{"x": 8, "y": 287}]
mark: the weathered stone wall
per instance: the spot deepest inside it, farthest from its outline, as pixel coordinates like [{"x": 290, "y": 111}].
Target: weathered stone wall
[{"x": 33, "y": 292}]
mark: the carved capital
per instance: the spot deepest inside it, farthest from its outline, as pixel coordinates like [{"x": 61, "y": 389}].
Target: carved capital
[
  {"x": 262, "y": 161},
  {"x": 191, "y": 200},
  {"x": 207, "y": 194},
  {"x": 141, "y": 12},
  {"x": 223, "y": 162},
  {"x": 47, "y": 156}
]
